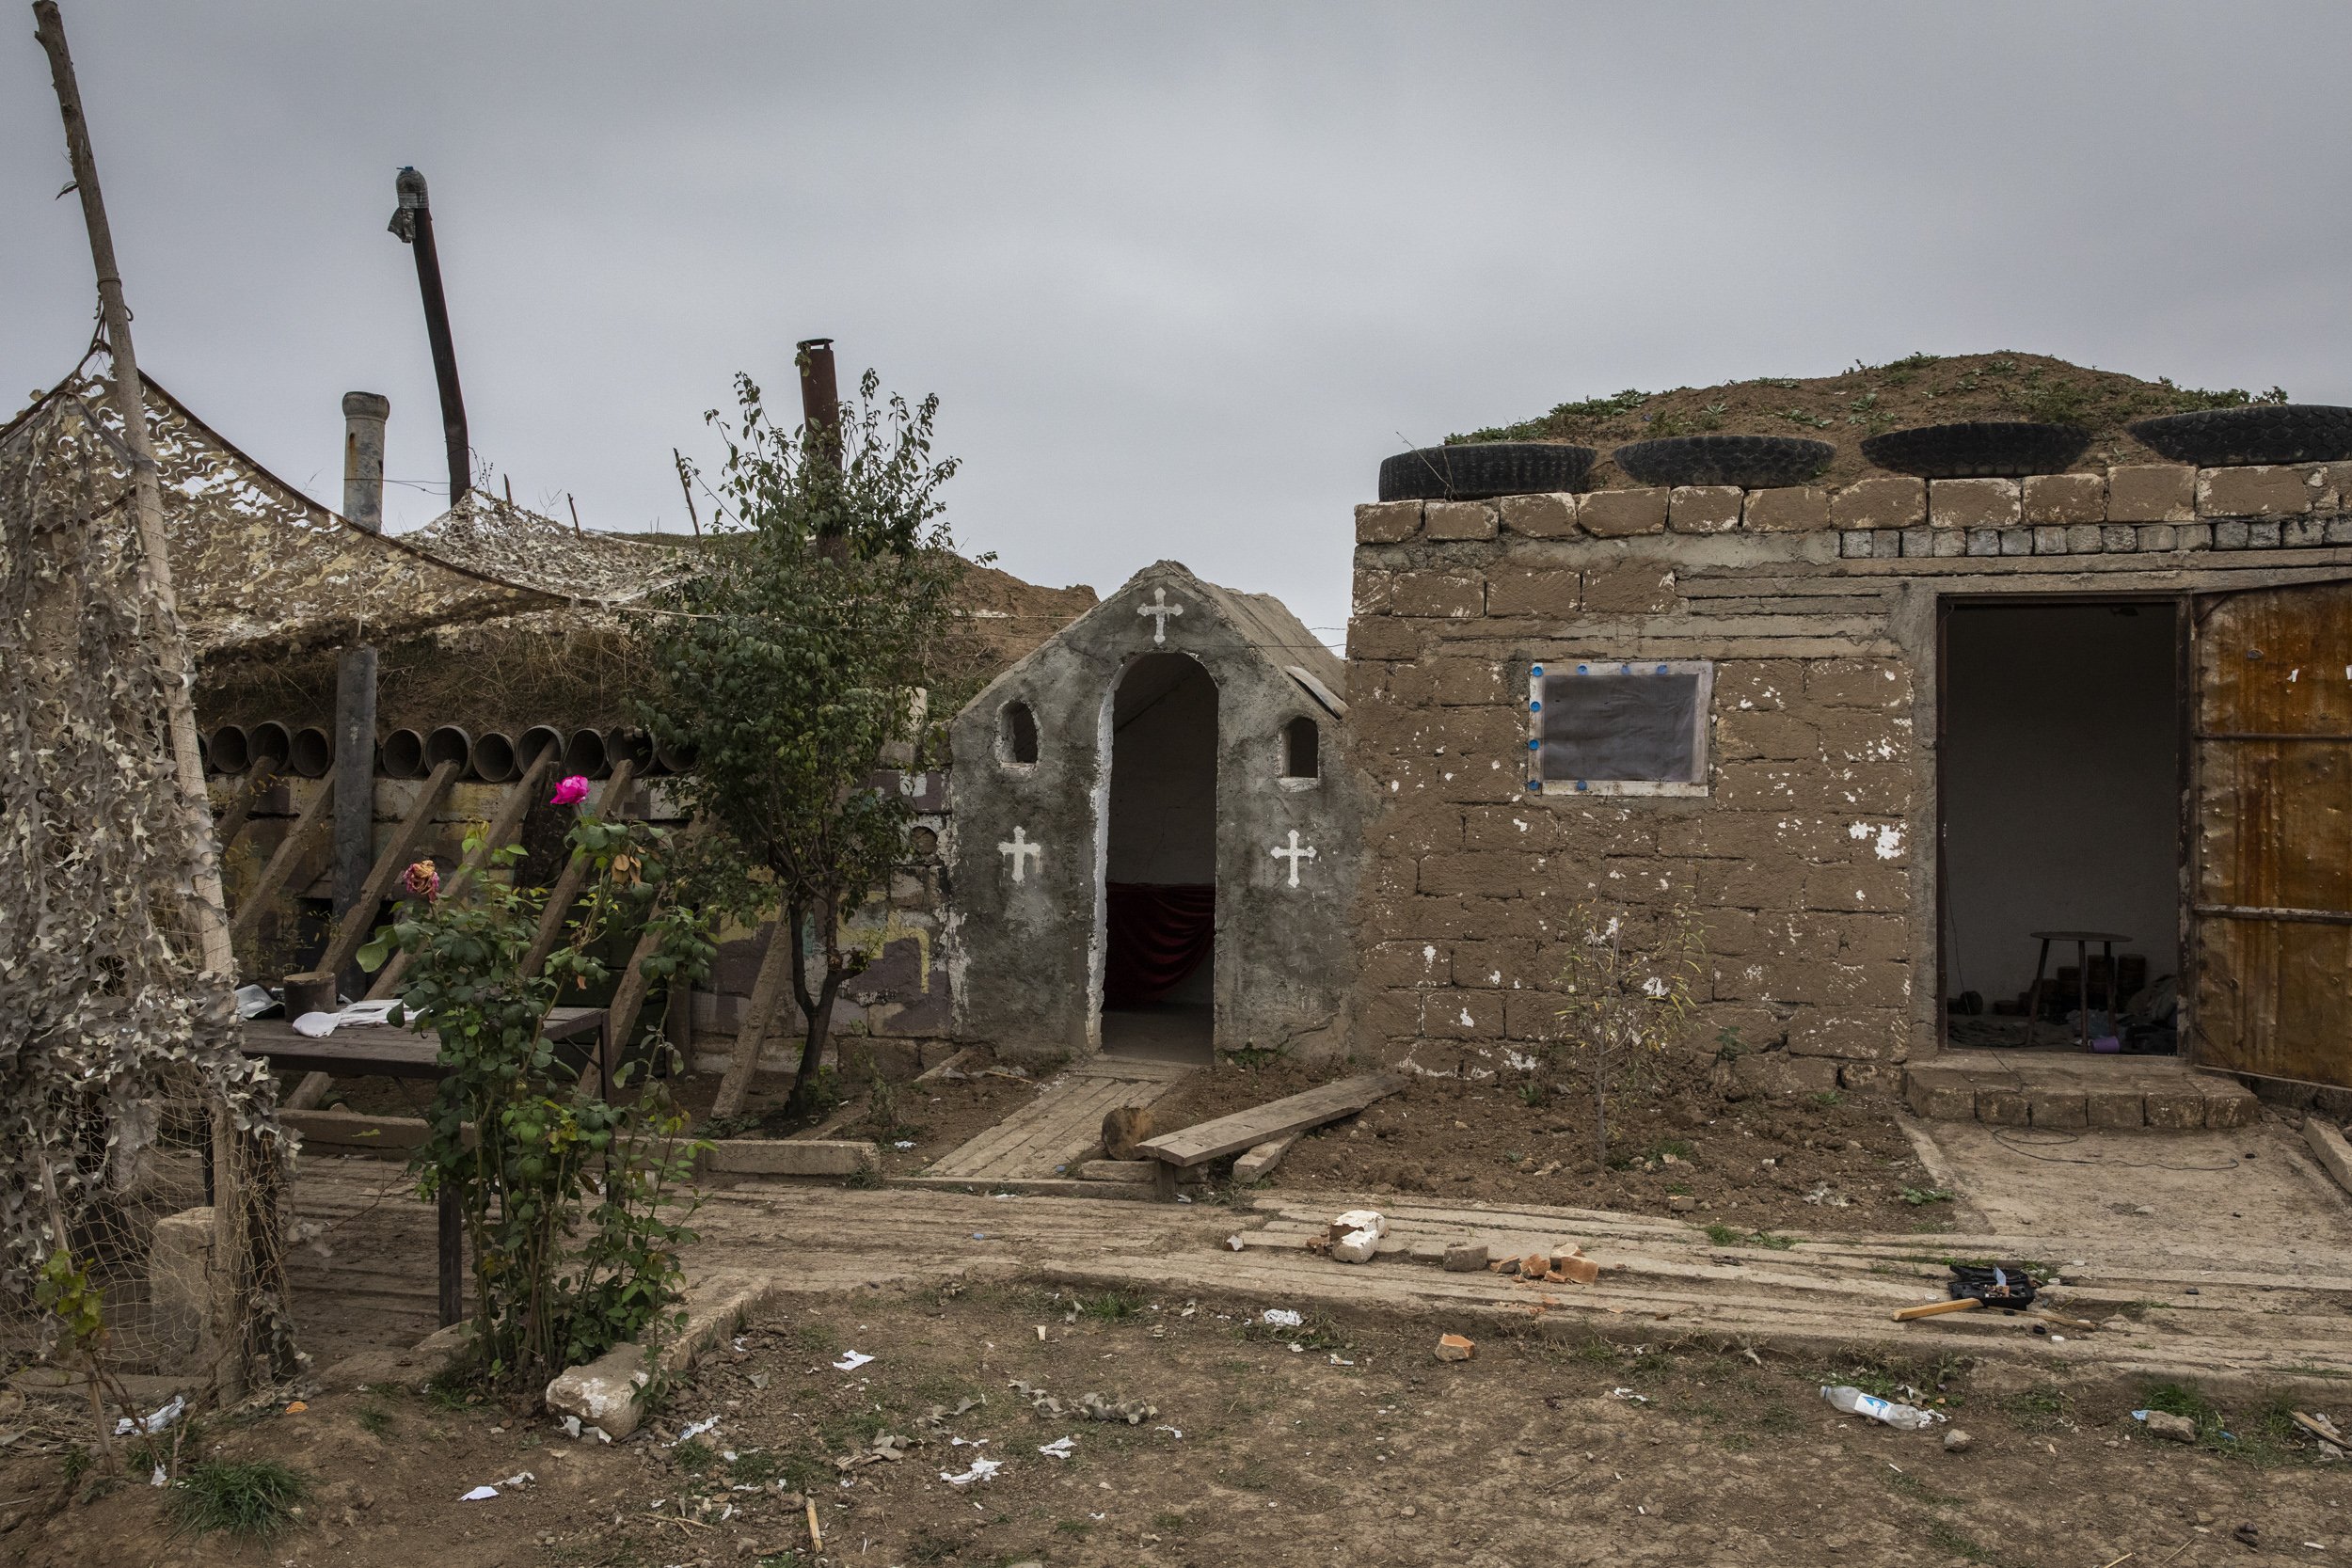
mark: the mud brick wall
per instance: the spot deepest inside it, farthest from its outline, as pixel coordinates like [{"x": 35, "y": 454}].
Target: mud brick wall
[{"x": 1808, "y": 861}]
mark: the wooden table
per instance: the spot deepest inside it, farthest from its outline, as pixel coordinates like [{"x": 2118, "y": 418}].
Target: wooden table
[
  {"x": 2082, "y": 941},
  {"x": 380, "y": 1050}
]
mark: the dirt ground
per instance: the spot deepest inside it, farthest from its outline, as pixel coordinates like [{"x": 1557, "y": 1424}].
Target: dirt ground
[
  {"x": 1868, "y": 399},
  {"x": 1356, "y": 1446},
  {"x": 1831, "y": 1161}
]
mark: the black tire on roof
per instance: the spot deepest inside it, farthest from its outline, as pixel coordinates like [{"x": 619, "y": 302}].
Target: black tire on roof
[
  {"x": 1476, "y": 470},
  {"x": 2258, "y": 433},
  {"x": 1978, "y": 448},
  {"x": 1756, "y": 461}
]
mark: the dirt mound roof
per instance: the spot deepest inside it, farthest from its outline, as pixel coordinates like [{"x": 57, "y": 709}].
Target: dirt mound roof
[{"x": 1919, "y": 389}]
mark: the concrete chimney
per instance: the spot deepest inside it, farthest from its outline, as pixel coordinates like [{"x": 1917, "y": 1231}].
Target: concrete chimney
[{"x": 364, "y": 413}]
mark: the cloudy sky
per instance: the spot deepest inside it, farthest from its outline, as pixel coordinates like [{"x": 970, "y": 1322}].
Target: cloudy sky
[{"x": 1180, "y": 275}]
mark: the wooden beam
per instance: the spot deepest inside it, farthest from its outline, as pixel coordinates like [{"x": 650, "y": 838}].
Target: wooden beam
[
  {"x": 568, "y": 885},
  {"x": 495, "y": 837},
  {"x": 299, "y": 842},
  {"x": 232, "y": 821},
  {"x": 351, "y": 932},
  {"x": 355, "y": 781}
]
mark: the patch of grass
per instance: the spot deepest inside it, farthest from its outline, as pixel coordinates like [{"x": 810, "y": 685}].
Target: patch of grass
[
  {"x": 373, "y": 1419},
  {"x": 930, "y": 1548},
  {"x": 1111, "y": 1307},
  {"x": 1080, "y": 1529},
  {"x": 1681, "y": 1149},
  {"x": 76, "y": 1461},
  {"x": 1826, "y": 1098},
  {"x": 453, "y": 1389},
  {"x": 2043, "y": 1409},
  {"x": 1768, "y": 1239},
  {"x": 1776, "y": 1418},
  {"x": 1943, "y": 1538},
  {"x": 695, "y": 1456},
  {"x": 1316, "y": 1332},
  {"x": 816, "y": 1341},
  {"x": 864, "y": 1179},
  {"x": 1918, "y": 1491},
  {"x": 1723, "y": 1235},
  {"x": 1920, "y": 1196},
  {"x": 1174, "y": 1524},
  {"x": 252, "y": 1501}
]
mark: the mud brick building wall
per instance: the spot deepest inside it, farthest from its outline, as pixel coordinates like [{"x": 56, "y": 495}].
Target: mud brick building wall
[{"x": 1810, "y": 857}]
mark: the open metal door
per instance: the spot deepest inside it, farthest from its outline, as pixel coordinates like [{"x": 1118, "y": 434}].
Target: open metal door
[{"x": 2271, "y": 804}]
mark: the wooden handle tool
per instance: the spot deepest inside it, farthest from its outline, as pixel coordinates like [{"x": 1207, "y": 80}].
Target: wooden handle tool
[{"x": 1936, "y": 1309}]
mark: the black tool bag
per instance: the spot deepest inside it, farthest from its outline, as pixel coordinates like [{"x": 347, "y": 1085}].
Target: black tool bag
[{"x": 2006, "y": 1284}]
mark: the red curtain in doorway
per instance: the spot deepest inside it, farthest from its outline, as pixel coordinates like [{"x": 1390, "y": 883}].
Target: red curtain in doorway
[{"x": 1159, "y": 933}]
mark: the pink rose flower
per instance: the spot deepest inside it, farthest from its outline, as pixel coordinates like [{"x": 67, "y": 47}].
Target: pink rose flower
[
  {"x": 422, "y": 880},
  {"x": 571, "y": 792}
]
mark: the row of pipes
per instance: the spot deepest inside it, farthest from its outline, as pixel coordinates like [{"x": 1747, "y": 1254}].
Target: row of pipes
[{"x": 309, "y": 753}]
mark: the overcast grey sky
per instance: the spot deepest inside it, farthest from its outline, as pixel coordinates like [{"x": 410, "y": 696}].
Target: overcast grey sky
[{"x": 1180, "y": 275}]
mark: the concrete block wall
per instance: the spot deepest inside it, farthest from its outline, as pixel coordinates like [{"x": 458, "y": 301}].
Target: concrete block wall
[{"x": 1809, "y": 860}]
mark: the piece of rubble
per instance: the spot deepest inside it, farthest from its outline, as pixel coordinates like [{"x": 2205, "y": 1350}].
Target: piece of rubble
[
  {"x": 1957, "y": 1441},
  {"x": 1466, "y": 1256},
  {"x": 1453, "y": 1347},
  {"x": 2172, "y": 1428}
]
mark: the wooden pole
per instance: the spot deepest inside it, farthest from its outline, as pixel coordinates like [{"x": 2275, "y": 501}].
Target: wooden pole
[
  {"x": 147, "y": 501},
  {"x": 412, "y": 221},
  {"x": 355, "y": 783},
  {"x": 760, "y": 1010},
  {"x": 238, "y": 1266}
]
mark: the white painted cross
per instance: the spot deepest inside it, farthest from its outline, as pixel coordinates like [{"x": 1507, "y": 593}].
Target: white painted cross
[
  {"x": 1159, "y": 609},
  {"x": 1022, "y": 851},
  {"x": 1294, "y": 854}
]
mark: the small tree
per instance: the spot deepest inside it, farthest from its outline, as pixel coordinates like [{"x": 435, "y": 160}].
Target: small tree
[
  {"x": 797, "y": 672},
  {"x": 1627, "y": 1004}
]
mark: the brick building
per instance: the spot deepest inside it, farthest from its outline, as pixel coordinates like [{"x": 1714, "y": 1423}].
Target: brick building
[{"x": 1878, "y": 737}]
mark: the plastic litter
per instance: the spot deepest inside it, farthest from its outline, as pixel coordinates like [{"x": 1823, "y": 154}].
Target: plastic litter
[
  {"x": 981, "y": 1469},
  {"x": 695, "y": 1430},
  {"x": 1853, "y": 1401},
  {"x": 155, "y": 1421},
  {"x": 1283, "y": 1317},
  {"x": 850, "y": 1361},
  {"x": 1061, "y": 1448},
  {"x": 255, "y": 1001},
  {"x": 484, "y": 1493}
]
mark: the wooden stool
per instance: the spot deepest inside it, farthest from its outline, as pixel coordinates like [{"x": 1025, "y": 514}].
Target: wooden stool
[{"x": 2082, "y": 941}]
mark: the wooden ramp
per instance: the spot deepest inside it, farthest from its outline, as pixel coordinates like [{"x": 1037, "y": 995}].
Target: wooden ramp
[{"x": 1062, "y": 1124}]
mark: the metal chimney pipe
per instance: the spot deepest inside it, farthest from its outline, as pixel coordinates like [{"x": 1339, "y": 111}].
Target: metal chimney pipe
[
  {"x": 820, "y": 395},
  {"x": 412, "y": 221},
  {"x": 364, "y": 413}
]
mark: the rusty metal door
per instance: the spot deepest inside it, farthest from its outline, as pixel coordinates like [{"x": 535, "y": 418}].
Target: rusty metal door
[{"x": 2271, "y": 800}]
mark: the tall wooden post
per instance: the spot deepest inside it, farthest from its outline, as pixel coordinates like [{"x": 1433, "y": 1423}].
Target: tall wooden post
[
  {"x": 355, "y": 789},
  {"x": 238, "y": 1263}
]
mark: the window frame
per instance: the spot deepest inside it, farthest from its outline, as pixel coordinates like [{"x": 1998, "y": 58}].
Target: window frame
[
  {"x": 1290, "y": 726},
  {"x": 1007, "y": 752},
  {"x": 1703, "y": 712}
]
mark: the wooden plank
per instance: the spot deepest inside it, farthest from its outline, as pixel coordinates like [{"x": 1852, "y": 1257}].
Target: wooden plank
[
  {"x": 299, "y": 841},
  {"x": 350, "y": 931},
  {"x": 499, "y": 833},
  {"x": 575, "y": 873},
  {"x": 1259, "y": 1163},
  {"x": 1296, "y": 1112},
  {"x": 232, "y": 822}
]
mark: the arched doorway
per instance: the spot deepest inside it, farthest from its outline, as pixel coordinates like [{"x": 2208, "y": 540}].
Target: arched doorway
[{"x": 1159, "y": 867}]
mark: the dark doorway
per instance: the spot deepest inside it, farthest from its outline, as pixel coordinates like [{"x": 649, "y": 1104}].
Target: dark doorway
[
  {"x": 2060, "y": 772},
  {"x": 1160, "y": 864}
]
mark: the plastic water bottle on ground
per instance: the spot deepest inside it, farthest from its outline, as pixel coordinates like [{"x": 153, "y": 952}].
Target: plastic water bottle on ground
[{"x": 1853, "y": 1401}]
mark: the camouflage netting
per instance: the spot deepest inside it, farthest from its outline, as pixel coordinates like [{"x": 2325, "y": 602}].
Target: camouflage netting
[
  {"x": 113, "y": 1046},
  {"x": 260, "y": 568}
]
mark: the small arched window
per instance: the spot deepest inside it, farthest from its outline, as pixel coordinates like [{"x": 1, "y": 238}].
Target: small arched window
[
  {"x": 1019, "y": 737},
  {"x": 1302, "y": 750}
]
